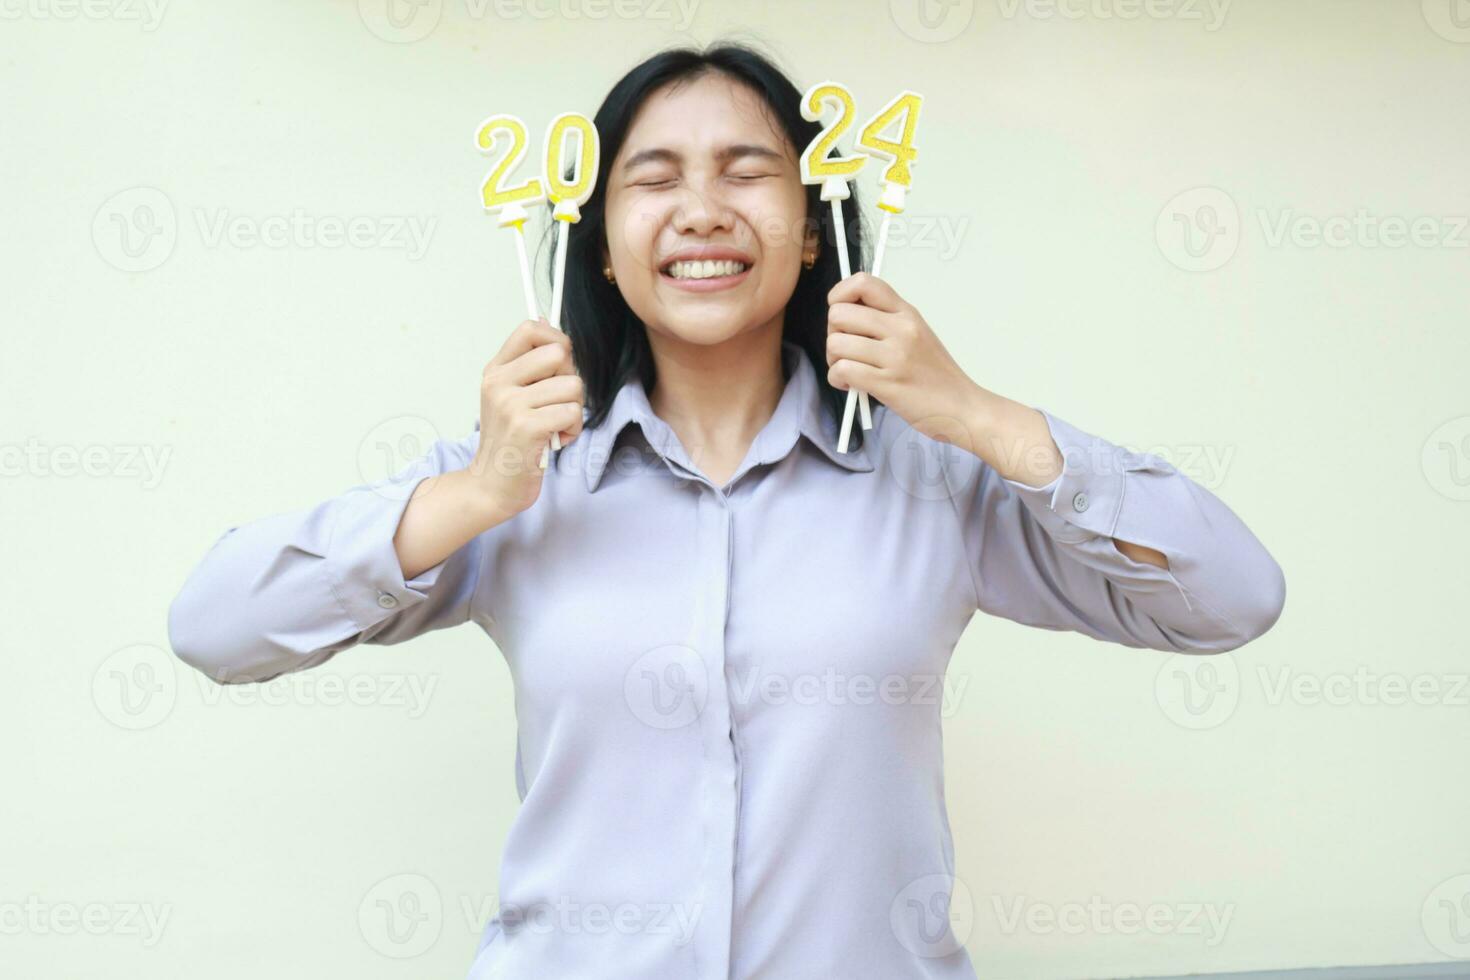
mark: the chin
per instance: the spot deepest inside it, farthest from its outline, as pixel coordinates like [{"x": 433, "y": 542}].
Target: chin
[{"x": 708, "y": 329}]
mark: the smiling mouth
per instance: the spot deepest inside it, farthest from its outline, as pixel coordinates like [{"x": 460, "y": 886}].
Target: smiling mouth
[{"x": 704, "y": 270}]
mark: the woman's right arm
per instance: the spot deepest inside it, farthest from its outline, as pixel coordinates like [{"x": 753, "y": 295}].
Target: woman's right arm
[{"x": 383, "y": 562}]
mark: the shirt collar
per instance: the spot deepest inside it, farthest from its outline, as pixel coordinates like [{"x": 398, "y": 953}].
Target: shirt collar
[{"x": 798, "y": 413}]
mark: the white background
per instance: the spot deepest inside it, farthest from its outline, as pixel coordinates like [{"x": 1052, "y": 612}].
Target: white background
[{"x": 1318, "y": 388}]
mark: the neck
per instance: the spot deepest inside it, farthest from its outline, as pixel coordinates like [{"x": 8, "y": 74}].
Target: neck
[{"x": 718, "y": 397}]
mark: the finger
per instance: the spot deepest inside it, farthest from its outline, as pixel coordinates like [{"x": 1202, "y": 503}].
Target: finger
[
  {"x": 868, "y": 289},
  {"x": 845, "y": 375},
  {"x": 567, "y": 435},
  {"x": 540, "y": 362},
  {"x": 855, "y": 348},
  {"x": 563, "y": 417},
  {"x": 550, "y": 391},
  {"x": 862, "y": 320},
  {"x": 527, "y": 336}
]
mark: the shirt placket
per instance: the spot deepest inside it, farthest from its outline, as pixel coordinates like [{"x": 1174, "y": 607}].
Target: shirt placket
[{"x": 714, "y": 530}]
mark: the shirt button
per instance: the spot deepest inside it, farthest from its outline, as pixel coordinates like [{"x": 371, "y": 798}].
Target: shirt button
[
  {"x": 386, "y": 601},
  {"x": 1079, "y": 502}
]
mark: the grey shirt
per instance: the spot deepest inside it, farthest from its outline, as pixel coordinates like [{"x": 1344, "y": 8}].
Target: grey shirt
[{"x": 727, "y": 698}]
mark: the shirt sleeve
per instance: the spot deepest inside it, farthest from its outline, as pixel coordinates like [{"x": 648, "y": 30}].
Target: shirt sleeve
[
  {"x": 1044, "y": 556},
  {"x": 290, "y": 591}
]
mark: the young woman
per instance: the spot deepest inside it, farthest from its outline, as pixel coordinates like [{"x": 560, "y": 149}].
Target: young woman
[{"x": 725, "y": 636}]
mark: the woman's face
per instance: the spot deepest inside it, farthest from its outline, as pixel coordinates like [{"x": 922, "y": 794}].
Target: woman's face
[{"x": 705, "y": 175}]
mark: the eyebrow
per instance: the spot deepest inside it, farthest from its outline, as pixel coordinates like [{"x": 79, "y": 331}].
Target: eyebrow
[{"x": 725, "y": 154}]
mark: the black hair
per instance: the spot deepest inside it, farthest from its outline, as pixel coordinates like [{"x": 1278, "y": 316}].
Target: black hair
[{"x": 609, "y": 342}]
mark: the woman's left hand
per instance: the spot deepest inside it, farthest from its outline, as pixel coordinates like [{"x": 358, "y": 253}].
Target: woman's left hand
[{"x": 880, "y": 344}]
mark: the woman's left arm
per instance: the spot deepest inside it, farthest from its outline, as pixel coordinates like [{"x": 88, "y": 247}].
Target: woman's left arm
[{"x": 1064, "y": 530}]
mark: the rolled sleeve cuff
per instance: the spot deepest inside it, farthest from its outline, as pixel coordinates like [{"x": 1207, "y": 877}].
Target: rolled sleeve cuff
[
  {"x": 1084, "y": 500},
  {"x": 362, "y": 563}
]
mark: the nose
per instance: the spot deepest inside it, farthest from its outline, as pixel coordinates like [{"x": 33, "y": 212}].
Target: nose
[{"x": 700, "y": 212}]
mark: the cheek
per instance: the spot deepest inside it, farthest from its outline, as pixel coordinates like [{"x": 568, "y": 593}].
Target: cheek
[
  {"x": 632, "y": 227},
  {"x": 781, "y": 226}
]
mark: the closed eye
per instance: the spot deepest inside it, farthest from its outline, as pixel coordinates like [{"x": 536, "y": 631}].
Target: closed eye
[{"x": 654, "y": 183}]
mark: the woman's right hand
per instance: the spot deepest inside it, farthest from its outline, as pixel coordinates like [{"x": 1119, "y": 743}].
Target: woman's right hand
[{"x": 529, "y": 390}]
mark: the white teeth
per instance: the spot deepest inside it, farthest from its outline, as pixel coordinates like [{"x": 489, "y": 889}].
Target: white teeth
[{"x": 706, "y": 269}]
